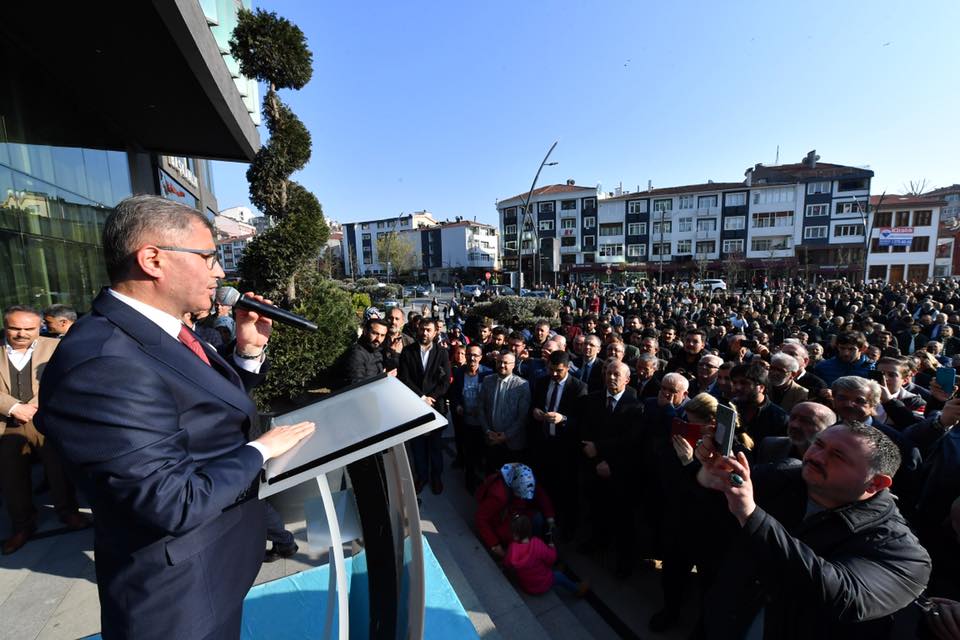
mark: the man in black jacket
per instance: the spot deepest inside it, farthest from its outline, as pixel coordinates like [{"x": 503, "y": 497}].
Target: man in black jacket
[
  {"x": 425, "y": 368},
  {"x": 760, "y": 417},
  {"x": 824, "y": 551},
  {"x": 610, "y": 421},
  {"x": 364, "y": 359},
  {"x": 554, "y": 442}
]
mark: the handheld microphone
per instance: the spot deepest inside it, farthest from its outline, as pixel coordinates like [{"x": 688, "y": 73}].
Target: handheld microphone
[{"x": 232, "y": 298}]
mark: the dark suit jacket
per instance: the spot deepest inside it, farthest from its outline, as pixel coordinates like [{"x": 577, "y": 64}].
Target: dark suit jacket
[
  {"x": 615, "y": 436},
  {"x": 903, "y": 340},
  {"x": 573, "y": 391},
  {"x": 595, "y": 379},
  {"x": 434, "y": 381},
  {"x": 156, "y": 439}
]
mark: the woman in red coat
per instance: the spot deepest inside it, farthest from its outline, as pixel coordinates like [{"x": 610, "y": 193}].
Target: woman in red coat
[{"x": 510, "y": 492}]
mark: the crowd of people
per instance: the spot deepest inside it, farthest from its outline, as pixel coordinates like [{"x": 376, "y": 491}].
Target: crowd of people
[{"x": 838, "y": 509}]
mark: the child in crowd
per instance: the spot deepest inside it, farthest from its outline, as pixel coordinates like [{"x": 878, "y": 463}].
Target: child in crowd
[{"x": 531, "y": 560}]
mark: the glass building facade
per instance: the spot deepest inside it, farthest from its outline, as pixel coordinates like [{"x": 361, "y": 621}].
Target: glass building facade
[{"x": 54, "y": 203}]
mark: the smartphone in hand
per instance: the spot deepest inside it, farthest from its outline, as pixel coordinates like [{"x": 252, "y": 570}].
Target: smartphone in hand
[
  {"x": 726, "y": 429},
  {"x": 947, "y": 379}
]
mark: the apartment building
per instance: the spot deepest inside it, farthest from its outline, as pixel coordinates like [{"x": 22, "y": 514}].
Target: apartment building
[
  {"x": 232, "y": 237},
  {"x": 948, "y": 233},
  {"x": 903, "y": 239},
  {"x": 780, "y": 220},
  {"x": 444, "y": 251}
]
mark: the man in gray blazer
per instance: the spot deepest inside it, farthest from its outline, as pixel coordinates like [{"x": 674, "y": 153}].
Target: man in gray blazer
[{"x": 504, "y": 403}]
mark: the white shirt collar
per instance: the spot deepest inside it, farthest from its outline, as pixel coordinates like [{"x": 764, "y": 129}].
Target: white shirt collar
[
  {"x": 170, "y": 324},
  {"x": 19, "y": 359},
  {"x": 11, "y": 350},
  {"x": 618, "y": 396}
]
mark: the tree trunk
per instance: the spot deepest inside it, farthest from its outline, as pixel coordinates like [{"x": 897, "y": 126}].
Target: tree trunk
[{"x": 292, "y": 288}]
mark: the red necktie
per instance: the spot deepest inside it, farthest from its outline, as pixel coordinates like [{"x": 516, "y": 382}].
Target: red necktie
[{"x": 186, "y": 337}]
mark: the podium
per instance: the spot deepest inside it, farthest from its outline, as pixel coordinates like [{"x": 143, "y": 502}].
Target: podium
[{"x": 353, "y": 481}]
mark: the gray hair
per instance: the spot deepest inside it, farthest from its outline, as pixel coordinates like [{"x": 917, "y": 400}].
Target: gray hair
[
  {"x": 857, "y": 384},
  {"x": 675, "y": 378},
  {"x": 712, "y": 359},
  {"x": 593, "y": 338},
  {"x": 785, "y": 360},
  {"x": 647, "y": 358},
  {"x": 20, "y": 308},
  {"x": 140, "y": 219},
  {"x": 61, "y": 311}
]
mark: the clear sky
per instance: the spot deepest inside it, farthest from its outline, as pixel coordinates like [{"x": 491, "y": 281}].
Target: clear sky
[{"x": 448, "y": 106}]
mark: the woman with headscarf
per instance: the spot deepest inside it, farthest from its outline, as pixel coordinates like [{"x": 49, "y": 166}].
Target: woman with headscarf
[{"x": 505, "y": 494}]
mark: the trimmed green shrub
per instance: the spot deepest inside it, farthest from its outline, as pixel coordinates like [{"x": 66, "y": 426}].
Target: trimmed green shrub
[
  {"x": 504, "y": 308},
  {"x": 298, "y": 357}
]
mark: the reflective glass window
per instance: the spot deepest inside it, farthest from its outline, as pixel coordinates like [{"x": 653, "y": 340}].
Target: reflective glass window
[
  {"x": 69, "y": 172},
  {"x": 120, "y": 184},
  {"x": 98, "y": 176}
]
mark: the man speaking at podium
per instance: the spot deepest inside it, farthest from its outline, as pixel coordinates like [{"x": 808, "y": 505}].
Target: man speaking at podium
[{"x": 153, "y": 424}]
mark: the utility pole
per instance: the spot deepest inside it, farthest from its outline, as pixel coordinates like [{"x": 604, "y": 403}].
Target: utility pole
[{"x": 868, "y": 232}]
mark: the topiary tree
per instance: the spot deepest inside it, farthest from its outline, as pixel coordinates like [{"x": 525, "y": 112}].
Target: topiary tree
[
  {"x": 297, "y": 358},
  {"x": 273, "y": 50}
]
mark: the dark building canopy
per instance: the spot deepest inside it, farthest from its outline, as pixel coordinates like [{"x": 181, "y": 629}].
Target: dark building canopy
[{"x": 141, "y": 75}]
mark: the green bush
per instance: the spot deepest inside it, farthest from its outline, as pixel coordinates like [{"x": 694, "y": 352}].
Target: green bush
[
  {"x": 298, "y": 357},
  {"x": 504, "y": 308},
  {"x": 379, "y": 293},
  {"x": 360, "y": 303},
  {"x": 366, "y": 282}
]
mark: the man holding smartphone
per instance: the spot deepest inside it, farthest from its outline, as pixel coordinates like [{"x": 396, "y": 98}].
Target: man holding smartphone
[
  {"x": 898, "y": 407},
  {"x": 822, "y": 550}
]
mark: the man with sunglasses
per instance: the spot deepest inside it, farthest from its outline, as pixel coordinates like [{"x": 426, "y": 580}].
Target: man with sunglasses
[{"x": 154, "y": 424}]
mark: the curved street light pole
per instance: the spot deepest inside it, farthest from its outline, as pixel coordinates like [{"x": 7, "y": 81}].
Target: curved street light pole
[{"x": 522, "y": 219}]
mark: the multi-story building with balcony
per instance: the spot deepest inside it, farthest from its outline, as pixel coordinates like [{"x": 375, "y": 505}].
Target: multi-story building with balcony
[
  {"x": 918, "y": 254},
  {"x": 444, "y": 251},
  {"x": 561, "y": 218},
  {"x": 780, "y": 220},
  {"x": 232, "y": 237},
  {"x": 948, "y": 233}
]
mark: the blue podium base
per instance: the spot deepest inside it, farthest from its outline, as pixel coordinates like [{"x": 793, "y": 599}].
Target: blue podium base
[{"x": 294, "y": 607}]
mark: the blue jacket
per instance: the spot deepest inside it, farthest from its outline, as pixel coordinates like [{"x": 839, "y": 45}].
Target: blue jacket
[
  {"x": 832, "y": 369},
  {"x": 156, "y": 439}
]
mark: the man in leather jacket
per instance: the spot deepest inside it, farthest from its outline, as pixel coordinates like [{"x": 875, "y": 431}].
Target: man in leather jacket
[{"x": 822, "y": 550}]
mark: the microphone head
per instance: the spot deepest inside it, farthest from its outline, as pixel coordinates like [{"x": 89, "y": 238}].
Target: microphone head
[{"x": 227, "y": 296}]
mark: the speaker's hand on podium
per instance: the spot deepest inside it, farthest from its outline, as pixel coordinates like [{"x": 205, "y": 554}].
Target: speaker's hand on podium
[{"x": 279, "y": 440}]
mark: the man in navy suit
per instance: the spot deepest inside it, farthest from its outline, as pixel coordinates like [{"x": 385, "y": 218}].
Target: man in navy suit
[{"x": 154, "y": 423}]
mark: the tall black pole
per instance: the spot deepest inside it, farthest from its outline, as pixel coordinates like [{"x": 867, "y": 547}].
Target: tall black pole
[{"x": 521, "y": 219}]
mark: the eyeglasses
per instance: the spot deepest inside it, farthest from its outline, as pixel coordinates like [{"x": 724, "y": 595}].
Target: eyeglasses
[{"x": 210, "y": 257}]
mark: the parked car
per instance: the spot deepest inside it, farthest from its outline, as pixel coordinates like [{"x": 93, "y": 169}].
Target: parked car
[
  {"x": 423, "y": 289},
  {"x": 409, "y": 291},
  {"x": 710, "y": 284},
  {"x": 502, "y": 290},
  {"x": 532, "y": 293},
  {"x": 473, "y": 290},
  {"x": 388, "y": 304}
]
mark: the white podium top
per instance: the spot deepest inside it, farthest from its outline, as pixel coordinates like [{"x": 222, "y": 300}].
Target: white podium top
[{"x": 351, "y": 424}]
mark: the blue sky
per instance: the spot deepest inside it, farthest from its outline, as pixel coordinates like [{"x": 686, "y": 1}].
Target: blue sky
[{"x": 447, "y": 106}]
